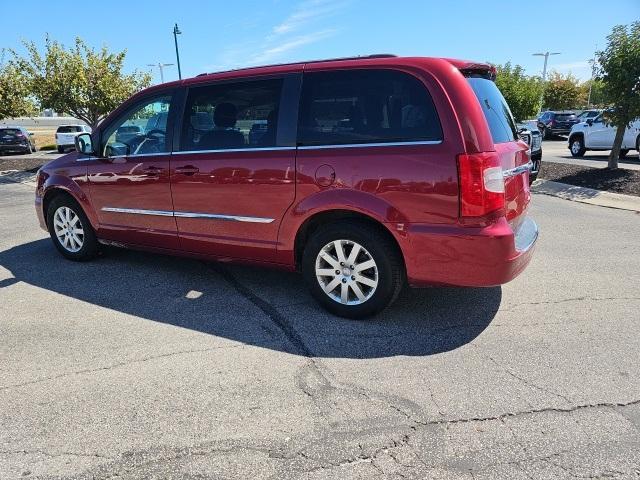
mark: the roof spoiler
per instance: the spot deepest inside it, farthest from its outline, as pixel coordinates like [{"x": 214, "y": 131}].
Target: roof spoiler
[{"x": 481, "y": 70}]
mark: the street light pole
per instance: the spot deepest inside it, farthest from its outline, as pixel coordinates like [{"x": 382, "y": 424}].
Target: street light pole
[
  {"x": 176, "y": 32},
  {"x": 544, "y": 70},
  {"x": 161, "y": 68},
  {"x": 593, "y": 72}
]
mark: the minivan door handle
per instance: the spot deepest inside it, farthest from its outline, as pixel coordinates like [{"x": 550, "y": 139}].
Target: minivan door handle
[
  {"x": 187, "y": 170},
  {"x": 152, "y": 170}
]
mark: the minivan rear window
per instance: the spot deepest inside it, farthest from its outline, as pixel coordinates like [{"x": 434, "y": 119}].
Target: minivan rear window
[
  {"x": 69, "y": 129},
  {"x": 495, "y": 108},
  {"x": 9, "y": 131},
  {"x": 365, "y": 106}
]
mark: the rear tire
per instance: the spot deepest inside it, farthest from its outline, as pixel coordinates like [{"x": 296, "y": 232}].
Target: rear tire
[
  {"x": 623, "y": 153},
  {"x": 60, "y": 150},
  {"x": 576, "y": 146},
  {"x": 368, "y": 290},
  {"x": 70, "y": 229}
]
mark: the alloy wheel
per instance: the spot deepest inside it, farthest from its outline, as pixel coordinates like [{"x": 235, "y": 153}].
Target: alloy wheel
[
  {"x": 576, "y": 146},
  {"x": 68, "y": 229},
  {"x": 346, "y": 272}
]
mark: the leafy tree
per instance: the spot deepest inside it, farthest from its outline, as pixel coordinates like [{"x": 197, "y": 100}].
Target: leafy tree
[
  {"x": 599, "y": 98},
  {"x": 619, "y": 70},
  {"x": 81, "y": 81},
  {"x": 562, "y": 92},
  {"x": 521, "y": 91},
  {"x": 15, "y": 100}
]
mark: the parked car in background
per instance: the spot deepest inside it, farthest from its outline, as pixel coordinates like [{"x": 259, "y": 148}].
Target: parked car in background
[
  {"x": 533, "y": 137},
  {"x": 125, "y": 133},
  {"x": 381, "y": 171},
  {"x": 587, "y": 114},
  {"x": 66, "y": 136},
  {"x": 15, "y": 139},
  {"x": 597, "y": 134},
  {"x": 552, "y": 123}
]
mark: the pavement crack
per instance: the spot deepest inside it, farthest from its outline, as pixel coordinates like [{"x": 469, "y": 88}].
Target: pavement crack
[
  {"x": 527, "y": 382},
  {"x": 53, "y": 455},
  {"x": 572, "y": 409},
  {"x": 117, "y": 365}
]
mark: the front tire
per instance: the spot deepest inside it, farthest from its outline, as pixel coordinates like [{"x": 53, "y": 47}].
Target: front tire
[
  {"x": 70, "y": 229},
  {"x": 623, "y": 153},
  {"x": 352, "y": 269},
  {"x": 60, "y": 150},
  {"x": 576, "y": 146}
]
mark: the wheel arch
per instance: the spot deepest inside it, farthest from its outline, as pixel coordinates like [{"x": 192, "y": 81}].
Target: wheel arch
[
  {"x": 325, "y": 217},
  {"x": 63, "y": 191}
]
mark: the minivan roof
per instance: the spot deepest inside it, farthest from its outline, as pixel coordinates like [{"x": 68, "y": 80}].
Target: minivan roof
[{"x": 375, "y": 60}]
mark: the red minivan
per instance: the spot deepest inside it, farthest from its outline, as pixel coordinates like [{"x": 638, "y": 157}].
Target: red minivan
[{"x": 363, "y": 173}]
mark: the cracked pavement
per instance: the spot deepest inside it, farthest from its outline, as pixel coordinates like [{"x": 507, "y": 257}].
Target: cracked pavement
[{"x": 143, "y": 366}]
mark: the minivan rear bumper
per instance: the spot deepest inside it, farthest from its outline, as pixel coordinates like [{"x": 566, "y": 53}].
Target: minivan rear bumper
[{"x": 468, "y": 256}]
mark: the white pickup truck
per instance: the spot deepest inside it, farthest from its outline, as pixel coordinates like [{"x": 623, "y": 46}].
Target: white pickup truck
[
  {"x": 66, "y": 136},
  {"x": 596, "y": 134}
]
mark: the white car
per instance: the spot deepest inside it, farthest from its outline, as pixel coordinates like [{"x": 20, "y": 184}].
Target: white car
[
  {"x": 595, "y": 134},
  {"x": 66, "y": 135}
]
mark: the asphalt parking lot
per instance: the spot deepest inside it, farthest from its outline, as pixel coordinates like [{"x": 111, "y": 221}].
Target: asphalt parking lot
[{"x": 143, "y": 366}]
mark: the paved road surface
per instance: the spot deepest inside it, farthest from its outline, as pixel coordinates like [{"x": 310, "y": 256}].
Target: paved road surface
[
  {"x": 557, "y": 151},
  {"x": 141, "y": 366}
]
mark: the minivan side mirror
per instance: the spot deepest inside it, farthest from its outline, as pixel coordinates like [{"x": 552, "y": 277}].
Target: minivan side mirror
[{"x": 84, "y": 144}]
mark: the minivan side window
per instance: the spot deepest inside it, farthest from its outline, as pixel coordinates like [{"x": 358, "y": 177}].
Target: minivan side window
[
  {"x": 142, "y": 131},
  {"x": 231, "y": 116},
  {"x": 365, "y": 106}
]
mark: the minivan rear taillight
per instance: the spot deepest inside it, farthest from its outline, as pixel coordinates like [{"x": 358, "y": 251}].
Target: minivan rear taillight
[{"x": 481, "y": 187}]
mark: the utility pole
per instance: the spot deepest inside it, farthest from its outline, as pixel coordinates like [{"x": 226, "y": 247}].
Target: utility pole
[
  {"x": 161, "y": 68},
  {"x": 544, "y": 70},
  {"x": 176, "y": 32},
  {"x": 593, "y": 74}
]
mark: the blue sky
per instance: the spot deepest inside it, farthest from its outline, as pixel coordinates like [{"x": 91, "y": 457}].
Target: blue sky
[{"x": 219, "y": 35}]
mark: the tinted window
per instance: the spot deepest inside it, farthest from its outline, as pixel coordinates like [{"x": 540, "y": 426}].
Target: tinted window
[
  {"x": 365, "y": 106},
  {"x": 129, "y": 134},
  {"x": 69, "y": 129},
  {"x": 495, "y": 108},
  {"x": 563, "y": 117},
  {"x": 231, "y": 115},
  {"x": 9, "y": 131}
]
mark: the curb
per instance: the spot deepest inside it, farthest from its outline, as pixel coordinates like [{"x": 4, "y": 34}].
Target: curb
[{"x": 587, "y": 195}]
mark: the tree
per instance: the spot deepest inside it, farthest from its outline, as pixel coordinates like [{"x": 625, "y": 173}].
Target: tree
[
  {"x": 521, "y": 91},
  {"x": 86, "y": 83},
  {"x": 562, "y": 92},
  {"x": 619, "y": 70},
  {"x": 15, "y": 100},
  {"x": 598, "y": 98}
]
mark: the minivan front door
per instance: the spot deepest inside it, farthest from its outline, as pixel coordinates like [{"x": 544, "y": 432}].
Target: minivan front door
[
  {"x": 129, "y": 181},
  {"x": 233, "y": 177}
]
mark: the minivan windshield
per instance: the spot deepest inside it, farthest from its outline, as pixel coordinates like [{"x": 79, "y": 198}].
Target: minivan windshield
[{"x": 495, "y": 108}]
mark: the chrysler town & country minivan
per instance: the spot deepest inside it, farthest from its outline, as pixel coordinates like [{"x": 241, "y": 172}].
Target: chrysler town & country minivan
[{"x": 363, "y": 173}]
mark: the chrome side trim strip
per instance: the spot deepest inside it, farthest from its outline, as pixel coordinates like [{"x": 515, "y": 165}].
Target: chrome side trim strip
[
  {"x": 167, "y": 213},
  {"x": 216, "y": 216},
  {"x": 365, "y": 145},
  {"x": 512, "y": 172},
  {"x": 138, "y": 211},
  {"x": 231, "y": 150}
]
